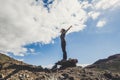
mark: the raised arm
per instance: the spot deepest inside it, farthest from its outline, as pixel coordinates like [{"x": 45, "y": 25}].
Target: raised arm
[{"x": 68, "y": 29}]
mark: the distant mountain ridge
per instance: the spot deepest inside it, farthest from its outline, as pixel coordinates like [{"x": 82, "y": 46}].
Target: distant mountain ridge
[
  {"x": 4, "y": 59},
  {"x": 110, "y": 58},
  {"x": 111, "y": 63}
]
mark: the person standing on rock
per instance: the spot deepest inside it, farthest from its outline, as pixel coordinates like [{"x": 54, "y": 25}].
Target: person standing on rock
[{"x": 63, "y": 42}]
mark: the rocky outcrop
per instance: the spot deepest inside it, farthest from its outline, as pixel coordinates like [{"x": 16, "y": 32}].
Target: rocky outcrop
[
  {"x": 104, "y": 69},
  {"x": 65, "y": 64}
]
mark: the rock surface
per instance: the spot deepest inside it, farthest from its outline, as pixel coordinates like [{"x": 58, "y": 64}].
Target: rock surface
[
  {"x": 16, "y": 70},
  {"x": 65, "y": 64}
]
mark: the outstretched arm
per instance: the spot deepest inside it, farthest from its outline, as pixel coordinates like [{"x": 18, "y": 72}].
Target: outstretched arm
[{"x": 68, "y": 29}]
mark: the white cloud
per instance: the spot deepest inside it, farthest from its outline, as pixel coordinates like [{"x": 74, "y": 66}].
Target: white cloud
[
  {"x": 101, "y": 23},
  {"x": 32, "y": 50},
  {"x": 106, "y": 4},
  {"x": 83, "y": 65},
  {"x": 51, "y": 65},
  {"x": 94, "y": 15},
  {"x": 48, "y": 66},
  {"x": 24, "y": 21},
  {"x": 20, "y": 59}
]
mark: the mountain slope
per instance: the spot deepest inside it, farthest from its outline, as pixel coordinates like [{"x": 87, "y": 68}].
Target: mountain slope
[
  {"x": 13, "y": 69},
  {"x": 4, "y": 58},
  {"x": 111, "y": 63}
]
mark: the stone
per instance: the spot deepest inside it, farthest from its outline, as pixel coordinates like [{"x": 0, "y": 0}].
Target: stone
[
  {"x": 0, "y": 75},
  {"x": 71, "y": 78},
  {"x": 65, "y": 75},
  {"x": 108, "y": 75},
  {"x": 65, "y": 63}
]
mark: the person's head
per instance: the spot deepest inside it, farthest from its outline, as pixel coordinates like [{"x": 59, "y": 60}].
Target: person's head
[{"x": 62, "y": 30}]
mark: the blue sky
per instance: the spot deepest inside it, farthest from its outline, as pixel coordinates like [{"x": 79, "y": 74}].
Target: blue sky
[
  {"x": 87, "y": 46},
  {"x": 98, "y": 39}
]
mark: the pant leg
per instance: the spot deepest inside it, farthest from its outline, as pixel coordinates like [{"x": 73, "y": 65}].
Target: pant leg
[{"x": 64, "y": 50}]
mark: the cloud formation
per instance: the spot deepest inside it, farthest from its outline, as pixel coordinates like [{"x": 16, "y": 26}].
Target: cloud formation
[
  {"x": 106, "y": 4},
  {"x": 94, "y": 15},
  {"x": 26, "y": 21},
  {"x": 101, "y": 23}
]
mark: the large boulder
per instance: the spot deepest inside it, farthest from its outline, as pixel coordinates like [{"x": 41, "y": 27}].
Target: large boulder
[{"x": 65, "y": 63}]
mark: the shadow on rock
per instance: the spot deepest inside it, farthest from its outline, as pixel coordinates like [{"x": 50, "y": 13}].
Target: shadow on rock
[
  {"x": 64, "y": 64},
  {"x": 22, "y": 67}
]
